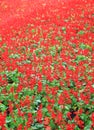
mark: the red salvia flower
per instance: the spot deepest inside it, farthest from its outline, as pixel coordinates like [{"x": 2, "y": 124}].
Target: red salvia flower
[
  {"x": 39, "y": 115},
  {"x": 39, "y": 86},
  {"x": 2, "y": 119}
]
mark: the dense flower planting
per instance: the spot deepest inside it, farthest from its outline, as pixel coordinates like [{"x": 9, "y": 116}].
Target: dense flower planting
[{"x": 46, "y": 65}]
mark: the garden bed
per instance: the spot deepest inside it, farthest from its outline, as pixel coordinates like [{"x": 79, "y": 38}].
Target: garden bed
[{"x": 47, "y": 65}]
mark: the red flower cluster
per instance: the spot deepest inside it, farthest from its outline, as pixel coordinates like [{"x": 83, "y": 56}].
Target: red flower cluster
[{"x": 2, "y": 120}]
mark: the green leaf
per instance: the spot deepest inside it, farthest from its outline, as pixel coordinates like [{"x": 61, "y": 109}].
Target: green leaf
[
  {"x": 45, "y": 112},
  {"x": 19, "y": 120},
  {"x": 77, "y": 128},
  {"x": 72, "y": 84},
  {"x": 33, "y": 30},
  {"x": 52, "y": 124},
  {"x": 12, "y": 76},
  {"x": 37, "y": 126},
  {"x": 54, "y": 83},
  {"x": 9, "y": 119},
  {"x": 53, "y": 53},
  {"x": 64, "y": 29},
  {"x": 64, "y": 64},
  {"x": 53, "y": 50},
  {"x": 8, "y": 87},
  {"x": 28, "y": 92},
  {"x": 26, "y": 61},
  {"x": 84, "y": 117},
  {"x": 2, "y": 107},
  {"x": 74, "y": 100},
  {"x": 82, "y": 46},
  {"x": 85, "y": 46},
  {"x": 37, "y": 51},
  {"x": 56, "y": 106},
  {"x": 80, "y": 58},
  {"x": 88, "y": 125},
  {"x": 81, "y": 32},
  {"x": 59, "y": 49},
  {"x": 11, "y": 97},
  {"x": 44, "y": 102},
  {"x": 15, "y": 56}
]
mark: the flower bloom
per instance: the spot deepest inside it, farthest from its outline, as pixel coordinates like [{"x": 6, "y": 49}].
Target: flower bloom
[
  {"x": 19, "y": 127},
  {"x": 92, "y": 119},
  {"x": 70, "y": 127},
  {"x": 48, "y": 128},
  {"x": 2, "y": 119},
  {"x": 39, "y": 115}
]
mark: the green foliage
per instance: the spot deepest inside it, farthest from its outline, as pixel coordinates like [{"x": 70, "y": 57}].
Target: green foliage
[
  {"x": 87, "y": 121},
  {"x": 64, "y": 29},
  {"x": 45, "y": 112},
  {"x": 81, "y": 32},
  {"x": 85, "y": 46},
  {"x": 15, "y": 56},
  {"x": 2, "y": 107},
  {"x": 72, "y": 84},
  {"x": 12, "y": 76},
  {"x": 64, "y": 64},
  {"x": 37, "y": 51},
  {"x": 54, "y": 83},
  {"x": 37, "y": 126},
  {"x": 53, "y": 51},
  {"x": 77, "y": 128},
  {"x": 88, "y": 125},
  {"x": 53, "y": 125},
  {"x": 80, "y": 58}
]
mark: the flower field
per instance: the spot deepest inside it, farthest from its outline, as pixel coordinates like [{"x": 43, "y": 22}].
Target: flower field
[{"x": 46, "y": 65}]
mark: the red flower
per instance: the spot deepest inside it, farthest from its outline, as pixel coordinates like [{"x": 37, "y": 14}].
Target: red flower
[
  {"x": 39, "y": 115},
  {"x": 61, "y": 100},
  {"x": 80, "y": 123},
  {"x": 60, "y": 117},
  {"x": 10, "y": 107},
  {"x": 19, "y": 127},
  {"x": 70, "y": 127},
  {"x": 19, "y": 89},
  {"x": 48, "y": 128},
  {"x": 92, "y": 117},
  {"x": 2, "y": 119},
  {"x": 39, "y": 86},
  {"x": 69, "y": 115},
  {"x": 53, "y": 115},
  {"x": 46, "y": 121}
]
